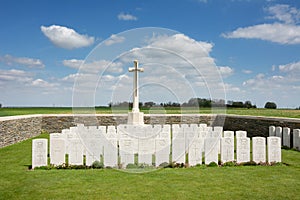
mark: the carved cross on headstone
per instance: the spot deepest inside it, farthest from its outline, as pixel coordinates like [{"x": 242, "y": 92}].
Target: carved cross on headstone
[{"x": 135, "y": 69}]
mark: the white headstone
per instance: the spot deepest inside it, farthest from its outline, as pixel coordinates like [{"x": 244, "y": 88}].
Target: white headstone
[
  {"x": 39, "y": 152},
  {"x": 242, "y": 149},
  {"x": 296, "y": 139},
  {"x": 203, "y": 127},
  {"x": 146, "y": 150},
  {"x": 272, "y": 131},
  {"x": 110, "y": 153},
  {"x": 259, "y": 149},
  {"x": 278, "y": 132},
  {"x": 190, "y": 135},
  {"x": 209, "y": 128},
  {"x": 218, "y": 129},
  {"x": 203, "y": 134},
  {"x": 178, "y": 147},
  {"x": 195, "y": 151},
  {"x": 162, "y": 151},
  {"x": 126, "y": 151},
  {"x": 211, "y": 150},
  {"x": 94, "y": 144},
  {"x": 240, "y": 134},
  {"x": 229, "y": 134},
  {"x": 286, "y": 137},
  {"x": 227, "y": 149},
  {"x": 274, "y": 149},
  {"x": 75, "y": 152},
  {"x": 57, "y": 149}
]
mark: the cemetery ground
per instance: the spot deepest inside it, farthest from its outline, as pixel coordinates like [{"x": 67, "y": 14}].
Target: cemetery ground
[
  {"x": 290, "y": 113},
  {"x": 280, "y": 181}
]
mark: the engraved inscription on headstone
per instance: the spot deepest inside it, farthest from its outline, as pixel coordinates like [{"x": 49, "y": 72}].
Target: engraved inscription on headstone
[
  {"x": 242, "y": 149},
  {"x": 274, "y": 149},
  {"x": 57, "y": 149},
  {"x": 259, "y": 149},
  {"x": 162, "y": 151},
  {"x": 75, "y": 152},
  {"x": 39, "y": 152},
  {"x": 227, "y": 149},
  {"x": 240, "y": 134},
  {"x": 211, "y": 150},
  {"x": 195, "y": 152},
  {"x": 110, "y": 153},
  {"x": 126, "y": 151}
]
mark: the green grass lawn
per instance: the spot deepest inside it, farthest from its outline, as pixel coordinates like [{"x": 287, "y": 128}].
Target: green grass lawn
[
  {"x": 244, "y": 182},
  {"x": 105, "y": 110}
]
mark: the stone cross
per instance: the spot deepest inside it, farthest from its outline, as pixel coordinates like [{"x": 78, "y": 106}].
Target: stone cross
[{"x": 135, "y": 69}]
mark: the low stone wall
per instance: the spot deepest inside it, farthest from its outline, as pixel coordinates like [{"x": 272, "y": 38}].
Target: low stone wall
[{"x": 18, "y": 128}]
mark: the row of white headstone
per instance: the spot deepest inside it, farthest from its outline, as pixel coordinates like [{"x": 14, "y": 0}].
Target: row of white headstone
[
  {"x": 285, "y": 135},
  {"x": 118, "y": 145}
]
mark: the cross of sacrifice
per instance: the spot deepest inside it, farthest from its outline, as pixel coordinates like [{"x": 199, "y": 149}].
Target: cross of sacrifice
[{"x": 135, "y": 69}]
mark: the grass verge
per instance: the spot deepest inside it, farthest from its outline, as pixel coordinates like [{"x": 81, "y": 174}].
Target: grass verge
[{"x": 168, "y": 110}]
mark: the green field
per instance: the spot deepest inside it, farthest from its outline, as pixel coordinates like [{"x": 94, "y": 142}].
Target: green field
[
  {"x": 105, "y": 110},
  {"x": 243, "y": 182}
]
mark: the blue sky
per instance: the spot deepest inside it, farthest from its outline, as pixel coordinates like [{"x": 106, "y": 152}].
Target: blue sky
[{"x": 254, "y": 45}]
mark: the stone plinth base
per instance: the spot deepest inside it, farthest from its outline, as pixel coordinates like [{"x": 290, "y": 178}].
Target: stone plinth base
[{"x": 135, "y": 118}]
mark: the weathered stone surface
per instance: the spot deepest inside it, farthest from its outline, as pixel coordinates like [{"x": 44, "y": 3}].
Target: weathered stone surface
[
  {"x": 242, "y": 149},
  {"x": 211, "y": 150},
  {"x": 274, "y": 149},
  {"x": 57, "y": 149},
  {"x": 296, "y": 139},
  {"x": 286, "y": 137},
  {"x": 39, "y": 153},
  {"x": 18, "y": 128},
  {"x": 227, "y": 149},
  {"x": 259, "y": 149}
]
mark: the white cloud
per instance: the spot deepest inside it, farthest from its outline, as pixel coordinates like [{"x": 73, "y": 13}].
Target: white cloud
[
  {"x": 43, "y": 84},
  {"x": 293, "y": 68},
  {"x": 282, "y": 87},
  {"x": 94, "y": 66},
  {"x": 283, "y": 31},
  {"x": 114, "y": 39},
  {"x": 278, "y": 33},
  {"x": 73, "y": 63},
  {"x": 66, "y": 37},
  {"x": 15, "y": 76},
  {"x": 176, "y": 66},
  {"x": 127, "y": 17},
  {"x": 284, "y": 13},
  {"x": 246, "y": 71},
  {"x": 226, "y": 71},
  {"x": 23, "y": 61}
]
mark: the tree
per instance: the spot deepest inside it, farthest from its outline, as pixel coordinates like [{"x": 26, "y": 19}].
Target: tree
[
  {"x": 248, "y": 104},
  {"x": 270, "y": 105}
]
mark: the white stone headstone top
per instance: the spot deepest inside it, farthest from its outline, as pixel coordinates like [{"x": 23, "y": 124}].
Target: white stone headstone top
[
  {"x": 240, "y": 134},
  {"x": 272, "y": 131},
  {"x": 296, "y": 139},
  {"x": 286, "y": 137}
]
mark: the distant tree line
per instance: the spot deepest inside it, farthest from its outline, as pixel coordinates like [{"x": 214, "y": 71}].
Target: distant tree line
[{"x": 193, "y": 102}]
